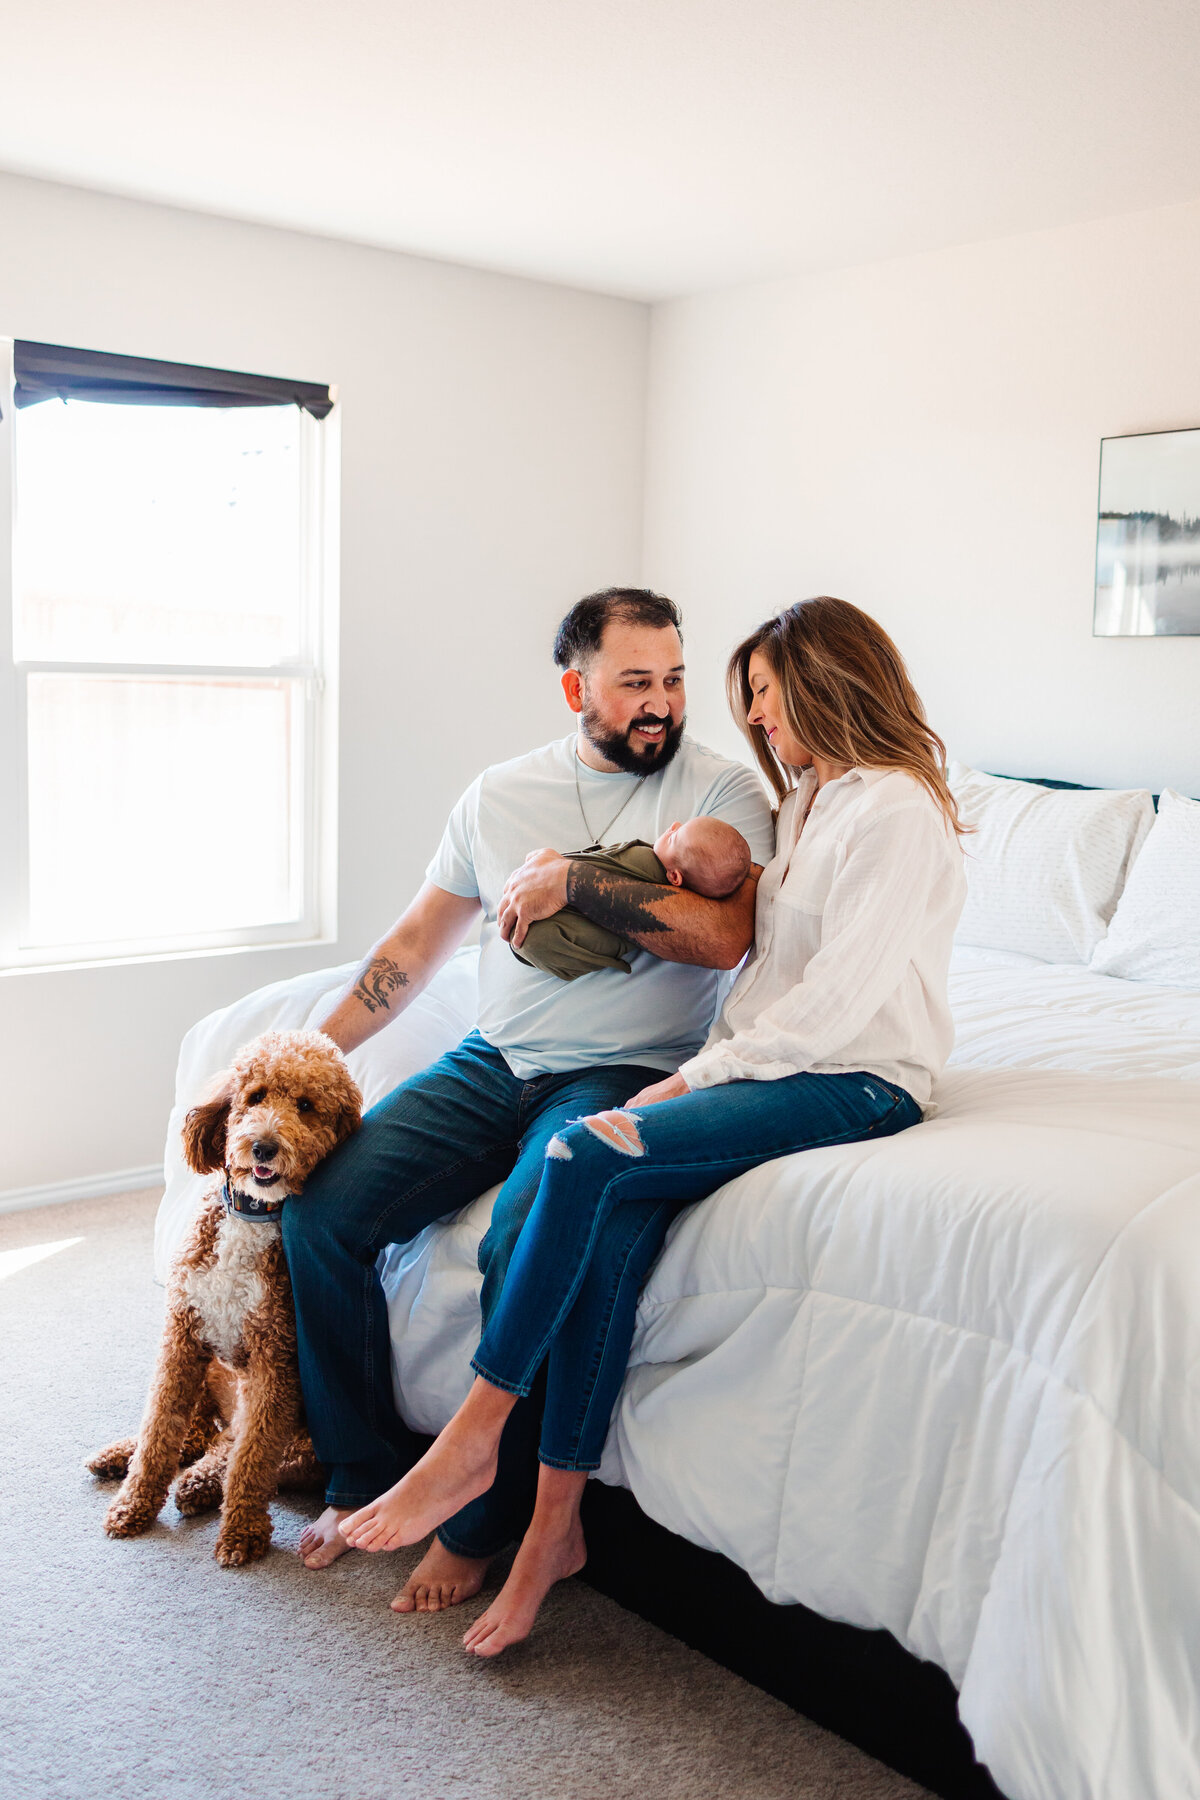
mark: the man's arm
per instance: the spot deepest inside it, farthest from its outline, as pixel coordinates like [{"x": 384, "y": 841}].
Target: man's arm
[
  {"x": 400, "y": 965},
  {"x": 672, "y": 923},
  {"x": 677, "y": 925}
]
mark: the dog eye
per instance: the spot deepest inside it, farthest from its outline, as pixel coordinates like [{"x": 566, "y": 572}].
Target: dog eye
[
  {"x": 304, "y": 1106},
  {"x": 254, "y": 1098}
]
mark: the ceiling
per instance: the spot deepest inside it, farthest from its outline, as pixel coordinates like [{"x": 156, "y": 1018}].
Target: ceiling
[{"x": 640, "y": 147}]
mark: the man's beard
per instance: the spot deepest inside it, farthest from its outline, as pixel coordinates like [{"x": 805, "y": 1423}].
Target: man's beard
[{"x": 617, "y": 746}]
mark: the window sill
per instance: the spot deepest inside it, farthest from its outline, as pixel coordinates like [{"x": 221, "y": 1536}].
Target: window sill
[{"x": 129, "y": 960}]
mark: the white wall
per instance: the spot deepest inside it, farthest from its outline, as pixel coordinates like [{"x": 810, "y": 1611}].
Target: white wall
[
  {"x": 491, "y": 473},
  {"x": 922, "y": 437}
]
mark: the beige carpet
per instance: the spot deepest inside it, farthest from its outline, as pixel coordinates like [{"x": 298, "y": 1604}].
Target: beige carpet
[{"x": 141, "y": 1671}]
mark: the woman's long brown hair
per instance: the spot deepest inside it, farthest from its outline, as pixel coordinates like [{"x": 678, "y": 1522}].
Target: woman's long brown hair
[{"x": 845, "y": 694}]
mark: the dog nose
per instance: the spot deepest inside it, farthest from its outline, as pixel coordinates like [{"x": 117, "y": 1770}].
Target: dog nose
[{"x": 263, "y": 1149}]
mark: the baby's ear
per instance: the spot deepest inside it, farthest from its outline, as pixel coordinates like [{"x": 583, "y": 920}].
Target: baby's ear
[
  {"x": 204, "y": 1133},
  {"x": 675, "y": 877}
]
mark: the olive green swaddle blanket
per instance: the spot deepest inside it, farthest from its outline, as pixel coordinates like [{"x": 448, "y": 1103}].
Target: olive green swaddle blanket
[{"x": 568, "y": 945}]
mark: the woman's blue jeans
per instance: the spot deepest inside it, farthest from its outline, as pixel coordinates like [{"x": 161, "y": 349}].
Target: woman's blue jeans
[{"x": 602, "y": 1211}]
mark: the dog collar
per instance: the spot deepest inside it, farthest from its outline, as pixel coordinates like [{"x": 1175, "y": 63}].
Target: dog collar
[{"x": 250, "y": 1206}]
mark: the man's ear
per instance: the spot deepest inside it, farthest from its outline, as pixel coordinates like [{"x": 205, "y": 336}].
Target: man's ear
[
  {"x": 572, "y": 687},
  {"x": 204, "y": 1134}
]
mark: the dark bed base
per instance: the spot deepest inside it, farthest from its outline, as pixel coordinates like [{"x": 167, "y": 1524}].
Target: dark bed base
[{"x": 861, "y": 1684}]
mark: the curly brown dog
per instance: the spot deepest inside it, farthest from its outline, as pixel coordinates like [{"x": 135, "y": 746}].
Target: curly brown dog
[{"x": 226, "y": 1388}]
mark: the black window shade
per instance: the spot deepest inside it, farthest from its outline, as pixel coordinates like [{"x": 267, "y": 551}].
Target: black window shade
[{"x": 56, "y": 372}]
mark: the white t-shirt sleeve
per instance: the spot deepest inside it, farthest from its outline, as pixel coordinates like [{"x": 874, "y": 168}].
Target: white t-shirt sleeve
[
  {"x": 453, "y": 867},
  {"x": 739, "y": 798}
]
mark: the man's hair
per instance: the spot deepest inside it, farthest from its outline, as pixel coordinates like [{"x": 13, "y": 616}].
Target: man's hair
[{"x": 582, "y": 631}]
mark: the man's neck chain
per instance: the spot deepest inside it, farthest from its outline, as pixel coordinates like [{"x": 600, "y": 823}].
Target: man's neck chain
[{"x": 597, "y": 841}]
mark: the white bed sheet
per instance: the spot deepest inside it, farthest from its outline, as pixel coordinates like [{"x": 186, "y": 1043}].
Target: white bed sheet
[{"x": 945, "y": 1384}]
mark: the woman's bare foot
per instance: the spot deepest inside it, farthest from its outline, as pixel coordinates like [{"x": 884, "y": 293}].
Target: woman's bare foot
[
  {"x": 545, "y": 1556},
  {"x": 322, "y": 1542},
  {"x": 441, "y": 1579},
  {"x": 457, "y": 1468}
]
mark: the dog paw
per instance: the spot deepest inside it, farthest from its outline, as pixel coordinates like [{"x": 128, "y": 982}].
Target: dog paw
[
  {"x": 242, "y": 1545},
  {"x": 113, "y": 1463},
  {"x": 129, "y": 1517},
  {"x": 198, "y": 1491}
]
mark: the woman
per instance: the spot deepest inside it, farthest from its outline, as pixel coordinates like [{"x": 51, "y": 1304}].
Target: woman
[{"x": 833, "y": 1032}]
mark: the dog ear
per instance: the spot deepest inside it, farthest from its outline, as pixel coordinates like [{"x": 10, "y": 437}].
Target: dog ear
[
  {"x": 350, "y": 1114},
  {"x": 204, "y": 1134}
]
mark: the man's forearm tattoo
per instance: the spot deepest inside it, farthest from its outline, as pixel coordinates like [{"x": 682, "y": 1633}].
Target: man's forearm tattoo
[
  {"x": 380, "y": 978},
  {"x": 620, "y": 903}
]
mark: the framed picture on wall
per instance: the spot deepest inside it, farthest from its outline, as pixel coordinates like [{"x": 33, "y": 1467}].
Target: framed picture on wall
[{"x": 1148, "y": 536}]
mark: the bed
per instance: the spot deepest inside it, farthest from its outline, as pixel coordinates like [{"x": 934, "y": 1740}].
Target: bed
[{"x": 943, "y": 1386}]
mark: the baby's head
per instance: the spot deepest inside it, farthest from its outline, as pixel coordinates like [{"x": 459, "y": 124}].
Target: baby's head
[{"x": 706, "y": 855}]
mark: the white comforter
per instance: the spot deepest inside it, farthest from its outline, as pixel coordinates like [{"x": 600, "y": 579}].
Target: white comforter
[{"x": 946, "y": 1384}]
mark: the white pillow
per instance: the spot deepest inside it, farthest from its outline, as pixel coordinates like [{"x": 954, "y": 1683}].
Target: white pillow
[
  {"x": 1045, "y": 867},
  {"x": 1155, "y": 933}
]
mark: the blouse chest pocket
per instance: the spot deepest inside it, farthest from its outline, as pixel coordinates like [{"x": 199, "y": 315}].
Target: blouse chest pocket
[{"x": 811, "y": 874}]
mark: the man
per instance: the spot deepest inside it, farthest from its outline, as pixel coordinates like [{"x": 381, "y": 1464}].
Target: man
[{"x": 545, "y": 1051}]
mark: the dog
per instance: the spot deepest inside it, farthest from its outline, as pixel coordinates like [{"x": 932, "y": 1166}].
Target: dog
[{"x": 225, "y": 1396}]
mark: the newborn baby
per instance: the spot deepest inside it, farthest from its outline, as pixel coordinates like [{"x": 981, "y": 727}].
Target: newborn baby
[{"x": 706, "y": 855}]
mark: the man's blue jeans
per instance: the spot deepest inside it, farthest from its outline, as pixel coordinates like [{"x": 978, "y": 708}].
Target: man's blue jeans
[
  {"x": 602, "y": 1210},
  {"x": 435, "y": 1143}
]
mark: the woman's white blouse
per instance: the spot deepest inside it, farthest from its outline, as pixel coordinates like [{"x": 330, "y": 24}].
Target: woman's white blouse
[{"x": 854, "y": 925}]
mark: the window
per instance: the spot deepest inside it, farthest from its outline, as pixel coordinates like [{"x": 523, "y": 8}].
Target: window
[{"x": 167, "y": 641}]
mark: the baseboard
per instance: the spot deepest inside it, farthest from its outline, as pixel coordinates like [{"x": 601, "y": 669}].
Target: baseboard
[{"x": 84, "y": 1187}]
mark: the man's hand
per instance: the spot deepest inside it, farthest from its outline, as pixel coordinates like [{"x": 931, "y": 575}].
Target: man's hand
[
  {"x": 534, "y": 891},
  {"x": 669, "y": 1089}
]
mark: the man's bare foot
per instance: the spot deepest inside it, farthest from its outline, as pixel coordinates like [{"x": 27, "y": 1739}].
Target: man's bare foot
[
  {"x": 322, "y": 1542},
  {"x": 441, "y": 1579},
  {"x": 544, "y": 1558},
  {"x": 459, "y": 1467}
]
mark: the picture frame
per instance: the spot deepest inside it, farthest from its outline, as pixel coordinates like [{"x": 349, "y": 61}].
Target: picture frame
[{"x": 1148, "y": 535}]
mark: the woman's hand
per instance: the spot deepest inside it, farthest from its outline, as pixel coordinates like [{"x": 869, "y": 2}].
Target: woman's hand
[
  {"x": 534, "y": 891},
  {"x": 670, "y": 1089}
]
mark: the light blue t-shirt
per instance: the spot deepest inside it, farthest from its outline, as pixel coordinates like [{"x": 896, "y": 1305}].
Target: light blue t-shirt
[{"x": 660, "y": 1013}]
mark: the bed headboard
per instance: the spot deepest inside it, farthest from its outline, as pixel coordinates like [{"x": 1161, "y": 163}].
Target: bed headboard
[{"x": 1049, "y": 781}]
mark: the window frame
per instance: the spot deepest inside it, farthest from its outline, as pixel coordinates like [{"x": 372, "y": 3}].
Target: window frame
[{"x": 312, "y": 673}]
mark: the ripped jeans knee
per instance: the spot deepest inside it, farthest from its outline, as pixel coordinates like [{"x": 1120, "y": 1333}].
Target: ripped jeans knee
[{"x": 617, "y": 1128}]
